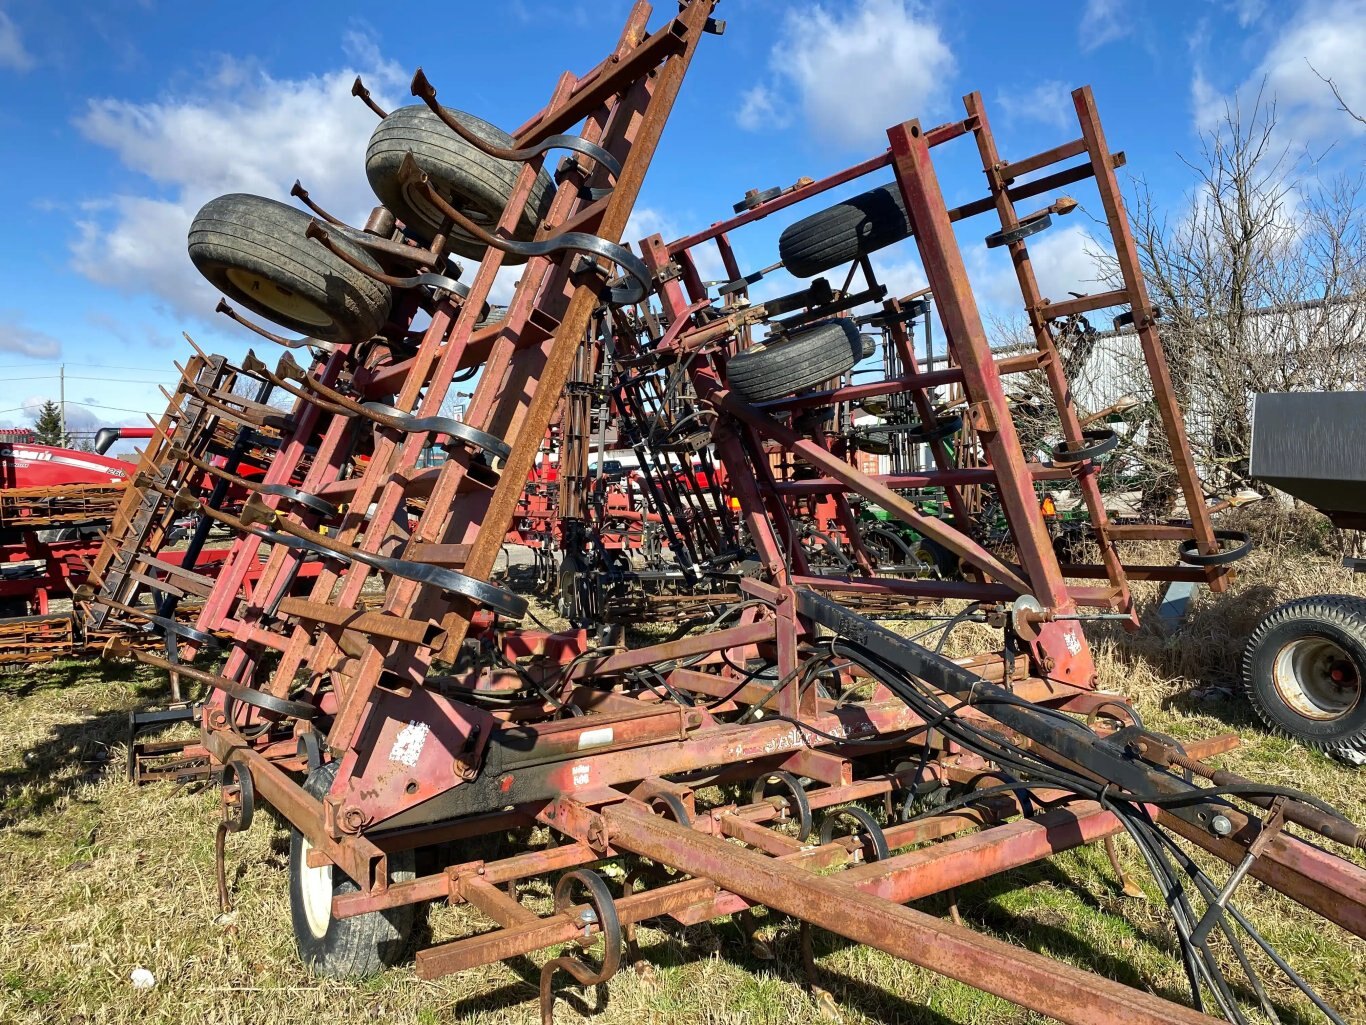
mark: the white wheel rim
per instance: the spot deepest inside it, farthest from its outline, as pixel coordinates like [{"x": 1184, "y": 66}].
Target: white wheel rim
[
  {"x": 276, "y": 297},
  {"x": 315, "y": 889},
  {"x": 1317, "y": 678}
]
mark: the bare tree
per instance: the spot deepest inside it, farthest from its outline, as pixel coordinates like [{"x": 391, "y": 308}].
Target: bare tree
[{"x": 1262, "y": 281}]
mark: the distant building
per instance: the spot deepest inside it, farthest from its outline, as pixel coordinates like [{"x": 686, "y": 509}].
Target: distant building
[{"x": 17, "y": 436}]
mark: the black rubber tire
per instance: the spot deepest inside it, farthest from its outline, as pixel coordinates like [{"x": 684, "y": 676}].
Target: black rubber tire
[
  {"x": 254, "y": 250},
  {"x": 475, "y": 183},
  {"x": 807, "y": 357},
  {"x": 348, "y": 947},
  {"x": 842, "y": 233},
  {"x": 1323, "y": 623}
]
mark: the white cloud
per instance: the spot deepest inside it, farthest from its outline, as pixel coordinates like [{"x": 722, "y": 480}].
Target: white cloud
[
  {"x": 1207, "y": 106},
  {"x": 1104, "y": 21},
  {"x": 1249, "y": 12},
  {"x": 856, "y": 70},
  {"x": 759, "y": 110},
  {"x": 15, "y": 337},
  {"x": 13, "y": 55},
  {"x": 1049, "y": 103},
  {"x": 1326, "y": 39},
  {"x": 1329, "y": 39},
  {"x": 647, "y": 220},
  {"x": 1062, "y": 263},
  {"x": 242, "y": 131}
]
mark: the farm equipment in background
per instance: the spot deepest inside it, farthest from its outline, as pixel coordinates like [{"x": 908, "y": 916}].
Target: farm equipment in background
[
  {"x": 54, "y": 502},
  {"x": 1304, "y": 670},
  {"x": 384, "y": 695}
]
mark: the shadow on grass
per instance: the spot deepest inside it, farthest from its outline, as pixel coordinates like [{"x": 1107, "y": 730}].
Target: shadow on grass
[{"x": 74, "y": 753}]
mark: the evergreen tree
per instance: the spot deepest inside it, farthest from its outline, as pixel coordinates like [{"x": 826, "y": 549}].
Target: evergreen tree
[{"x": 48, "y": 425}]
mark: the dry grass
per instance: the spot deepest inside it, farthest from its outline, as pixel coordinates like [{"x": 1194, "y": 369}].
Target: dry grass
[{"x": 100, "y": 877}]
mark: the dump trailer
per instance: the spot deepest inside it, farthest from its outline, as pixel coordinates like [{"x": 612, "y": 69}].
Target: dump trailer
[{"x": 1305, "y": 661}]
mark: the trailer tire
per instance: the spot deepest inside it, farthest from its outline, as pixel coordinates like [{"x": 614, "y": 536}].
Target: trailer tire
[
  {"x": 1304, "y": 670},
  {"x": 807, "y": 357},
  {"x": 842, "y": 233},
  {"x": 475, "y": 183},
  {"x": 347, "y": 947},
  {"x": 254, "y": 250}
]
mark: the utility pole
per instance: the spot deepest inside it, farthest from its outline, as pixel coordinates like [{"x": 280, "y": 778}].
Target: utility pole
[{"x": 61, "y": 404}]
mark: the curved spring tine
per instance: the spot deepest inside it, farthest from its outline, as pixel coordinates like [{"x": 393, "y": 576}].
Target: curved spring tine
[
  {"x": 410, "y": 174},
  {"x": 301, "y": 193},
  {"x": 358, "y": 89},
  {"x": 288, "y": 343},
  {"x": 199, "y": 637},
  {"x": 457, "y": 429},
  {"x": 285, "y": 491},
  {"x": 253, "y": 366},
  {"x": 426, "y": 92},
  {"x": 481, "y": 593},
  {"x": 319, "y": 233}
]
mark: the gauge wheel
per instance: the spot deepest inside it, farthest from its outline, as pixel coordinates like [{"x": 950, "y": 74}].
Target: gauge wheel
[
  {"x": 343, "y": 947},
  {"x": 255, "y": 252}
]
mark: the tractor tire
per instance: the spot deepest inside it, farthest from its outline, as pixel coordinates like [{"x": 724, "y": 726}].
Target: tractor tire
[
  {"x": 473, "y": 182},
  {"x": 255, "y": 252},
  {"x": 805, "y": 358},
  {"x": 1303, "y": 671},
  {"x": 842, "y": 233},
  {"x": 343, "y": 948}
]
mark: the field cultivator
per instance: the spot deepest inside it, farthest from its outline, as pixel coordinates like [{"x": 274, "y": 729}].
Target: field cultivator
[{"x": 378, "y": 689}]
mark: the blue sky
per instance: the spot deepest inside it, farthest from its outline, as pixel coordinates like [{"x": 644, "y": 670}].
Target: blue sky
[{"x": 121, "y": 118}]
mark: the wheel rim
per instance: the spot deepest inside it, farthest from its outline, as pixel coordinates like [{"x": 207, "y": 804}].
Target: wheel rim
[
  {"x": 1317, "y": 678},
  {"x": 277, "y": 297},
  {"x": 315, "y": 890}
]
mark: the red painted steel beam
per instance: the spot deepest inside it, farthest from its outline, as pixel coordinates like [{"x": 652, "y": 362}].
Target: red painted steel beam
[{"x": 1031, "y": 980}]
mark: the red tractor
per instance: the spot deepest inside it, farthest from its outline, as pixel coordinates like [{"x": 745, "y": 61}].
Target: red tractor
[{"x": 53, "y": 502}]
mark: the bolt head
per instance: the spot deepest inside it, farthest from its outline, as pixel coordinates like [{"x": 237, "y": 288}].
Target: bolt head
[{"x": 1220, "y": 825}]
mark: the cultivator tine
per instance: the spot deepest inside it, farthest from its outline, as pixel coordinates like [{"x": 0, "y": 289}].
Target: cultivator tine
[
  {"x": 201, "y": 638},
  {"x": 255, "y": 513},
  {"x": 426, "y": 92},
  {"x": 358, "y": 89},
  {"x": 427, "y": 279},
  {"x": 312, "y": 503},
  {"x": 258, "y": 699},
  {"x": 455, "y": 429},
  {"x": 289, "y": 343},
  {"x": 633, "y": 288},
  {"x": 299, "y": 192}
]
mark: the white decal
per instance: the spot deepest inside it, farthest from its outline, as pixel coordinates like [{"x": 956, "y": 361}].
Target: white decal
[
  {"x": 595, "y": 738},
  {"x": 580, "y": 773},
  {"x": 408, "y": 744},
  {"x": 1072, "y": 641}
]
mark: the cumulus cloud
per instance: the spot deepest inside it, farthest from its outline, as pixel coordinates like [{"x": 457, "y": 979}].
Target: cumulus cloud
[
  {"x": 1104, "y": 21},
  {"x": 241, "y": 130},
  {"x": 1324, "y": 40},
  {"x": 1063, "y": 262},
  {"x": 853, "y": 70},
  {"x": 1048, "y": 103},
  {"x": 1248, "y": 12},
  {"x": 1329, "y": 40},
  {"x": 759, "y": 110},
  {"x": 13, "y": 54},
  {"x": 21, "y": 340}
]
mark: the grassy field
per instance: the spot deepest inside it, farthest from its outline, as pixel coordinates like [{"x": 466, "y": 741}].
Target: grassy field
[{"x": 100, "y": 877}]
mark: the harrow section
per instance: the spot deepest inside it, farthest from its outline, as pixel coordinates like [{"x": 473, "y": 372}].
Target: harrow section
[{"x": 381, "y": 690}]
